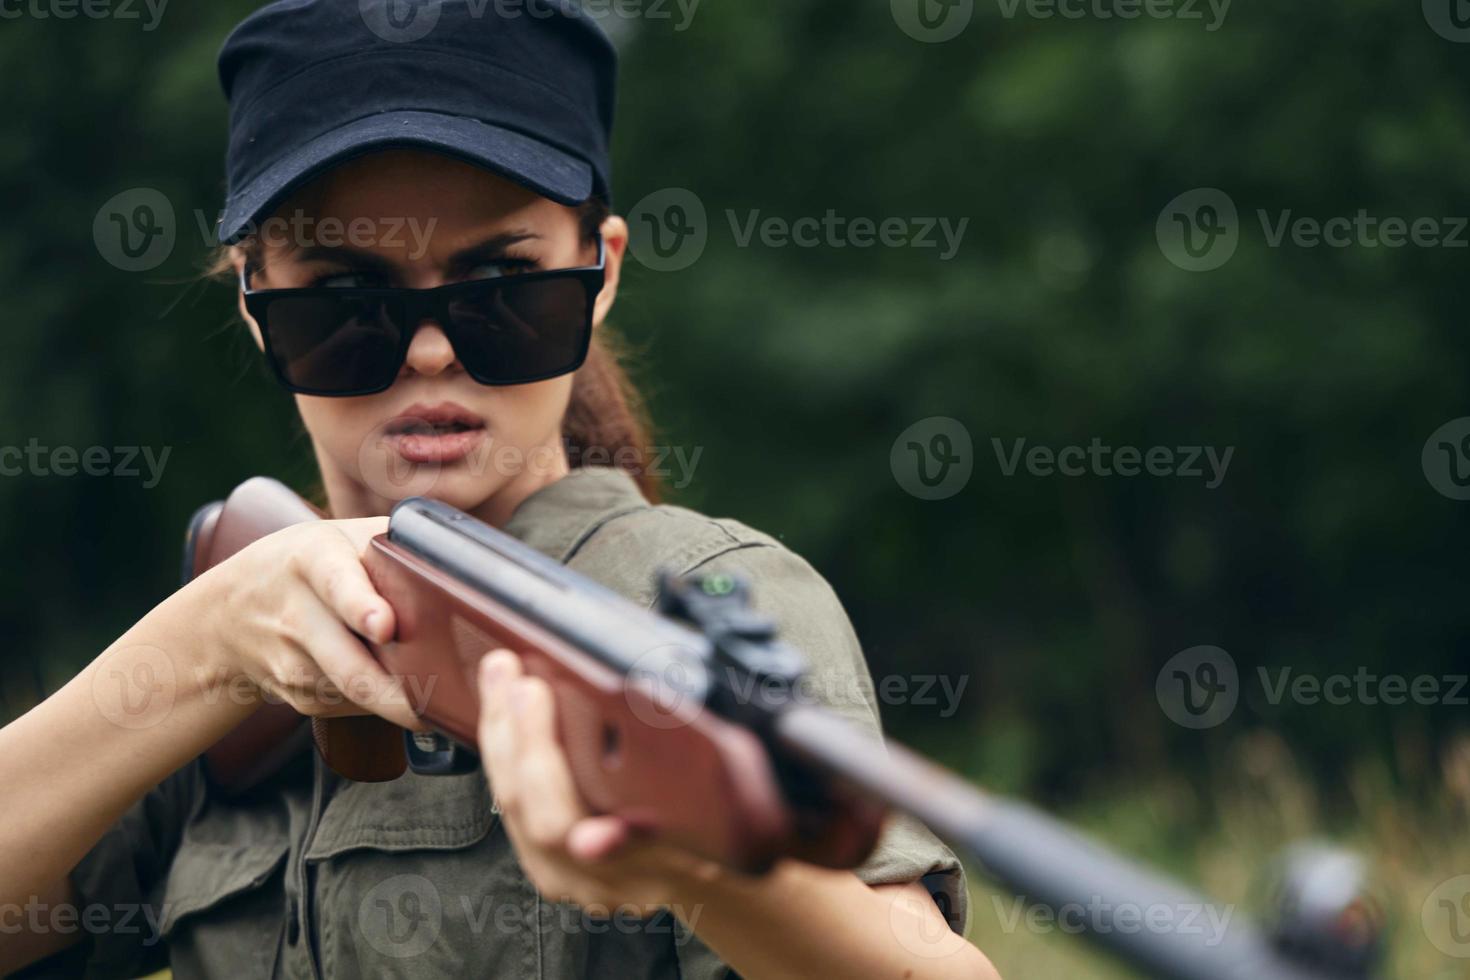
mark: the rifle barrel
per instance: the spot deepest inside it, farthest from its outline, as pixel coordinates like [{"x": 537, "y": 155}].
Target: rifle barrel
[{"x": 1146, "y": 918}]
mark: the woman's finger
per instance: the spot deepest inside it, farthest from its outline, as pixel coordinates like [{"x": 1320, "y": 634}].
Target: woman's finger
[
  {"x": 550, "y": 803},
  {"x": 498, "y": 671},
  {"x": 595, "y": 839},
  {"x": 332, "y": 565},
  {"x": 351, "y": 675}
]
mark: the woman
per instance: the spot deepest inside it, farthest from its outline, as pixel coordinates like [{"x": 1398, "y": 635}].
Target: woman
[{"x": 486, "y": 132}]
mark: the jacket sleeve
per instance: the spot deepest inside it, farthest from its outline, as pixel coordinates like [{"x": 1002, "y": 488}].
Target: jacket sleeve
[{"x": 119, "y": 884}]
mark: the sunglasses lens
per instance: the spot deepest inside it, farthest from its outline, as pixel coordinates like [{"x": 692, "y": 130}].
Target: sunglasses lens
[
  {"x": 515, "y": 332},
  {"x": 335, "y": 344}
]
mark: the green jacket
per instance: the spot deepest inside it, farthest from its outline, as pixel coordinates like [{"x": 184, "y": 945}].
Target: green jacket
[{"x": 318, "y": 877}]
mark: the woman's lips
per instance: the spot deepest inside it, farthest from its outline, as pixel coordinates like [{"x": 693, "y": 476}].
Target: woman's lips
[
  {"x": 441, "y": 433},
  {"x": 438, "y": 446}
]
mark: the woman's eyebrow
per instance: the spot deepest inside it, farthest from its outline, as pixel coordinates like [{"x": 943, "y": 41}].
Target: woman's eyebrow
[
  {"x": 491, "y": 248},
  {"x": 344, "y": 255}
]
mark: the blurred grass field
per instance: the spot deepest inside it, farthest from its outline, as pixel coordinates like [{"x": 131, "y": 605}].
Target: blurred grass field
[{"x": 1226, "y": 848}]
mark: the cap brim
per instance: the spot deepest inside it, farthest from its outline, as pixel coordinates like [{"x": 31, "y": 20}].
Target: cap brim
[{"x": 545, "y": 169}]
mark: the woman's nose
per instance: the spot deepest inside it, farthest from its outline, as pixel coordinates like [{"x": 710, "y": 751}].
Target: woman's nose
[{"x": 430, "y": 351}]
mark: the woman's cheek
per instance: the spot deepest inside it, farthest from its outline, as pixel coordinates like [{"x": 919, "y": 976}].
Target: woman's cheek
[
  {"x": 347, "y": 435},
  {"x": 527, "y": 416}
]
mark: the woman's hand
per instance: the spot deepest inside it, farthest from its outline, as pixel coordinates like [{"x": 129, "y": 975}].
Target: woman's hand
[
  {"x": 795, "y": 922},
  {"x": 596, "y": 862},
  {"x": 282, "y": 613}
]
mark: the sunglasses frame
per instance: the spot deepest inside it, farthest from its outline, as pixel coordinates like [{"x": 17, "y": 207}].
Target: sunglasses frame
[{"x": 420, "y": 305}]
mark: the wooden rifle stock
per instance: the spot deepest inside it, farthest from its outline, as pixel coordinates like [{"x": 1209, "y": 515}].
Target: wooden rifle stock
[{"x": 366, "y": 749}]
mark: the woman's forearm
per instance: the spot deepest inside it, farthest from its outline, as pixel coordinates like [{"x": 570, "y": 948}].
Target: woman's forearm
[
  {"x": 71, "y": 766},
  {"x": 800, "y": 921}
]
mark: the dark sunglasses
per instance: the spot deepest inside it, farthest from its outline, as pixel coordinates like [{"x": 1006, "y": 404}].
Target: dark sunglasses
[{"x": 510, "y": 330}]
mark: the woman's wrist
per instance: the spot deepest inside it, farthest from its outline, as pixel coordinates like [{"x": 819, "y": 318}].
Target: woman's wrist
[
  {"x": 190, "y": 627},
  {"x": 692, "y": 883}
]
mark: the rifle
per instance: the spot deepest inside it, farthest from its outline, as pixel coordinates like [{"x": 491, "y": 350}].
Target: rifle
[{"x": 682, "y": 721}]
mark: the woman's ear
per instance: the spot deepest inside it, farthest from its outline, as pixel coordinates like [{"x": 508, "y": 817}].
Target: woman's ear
[
  {"x": 237, "y": 262},
  {"x": 615, "y": 247}
]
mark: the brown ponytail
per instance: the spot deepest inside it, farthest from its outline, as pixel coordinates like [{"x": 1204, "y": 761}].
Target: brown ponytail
[{"x": 607, "y": 421}]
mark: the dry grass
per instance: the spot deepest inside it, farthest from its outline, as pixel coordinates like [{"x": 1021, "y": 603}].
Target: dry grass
[{"x": 1226, "y": 848}]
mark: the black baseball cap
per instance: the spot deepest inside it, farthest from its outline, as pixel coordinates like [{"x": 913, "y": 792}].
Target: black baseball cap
[{"x": 524, "y": 88}]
